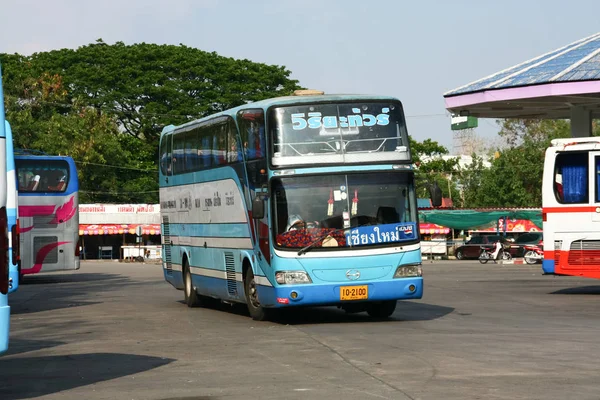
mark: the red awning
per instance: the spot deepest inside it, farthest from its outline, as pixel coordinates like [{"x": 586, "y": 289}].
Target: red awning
[
  {"x": 433, "y": 229},
  {"x": 108, "y": 229}
]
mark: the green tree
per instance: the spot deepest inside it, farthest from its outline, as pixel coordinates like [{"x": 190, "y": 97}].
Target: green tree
[
  {"x": 515, "y": 176},
  {"x": 433, "y": 167},
  {"x": 105, "y": 105},
  {"x": 469, "y": 181},
  {"x": 148, "y": 86}
]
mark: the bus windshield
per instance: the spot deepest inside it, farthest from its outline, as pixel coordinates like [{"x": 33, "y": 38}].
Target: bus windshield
[
  {"x": 42, "y": 175},
  {"x": 354, "y": 210},
  {"x": 342, "y": 132}
]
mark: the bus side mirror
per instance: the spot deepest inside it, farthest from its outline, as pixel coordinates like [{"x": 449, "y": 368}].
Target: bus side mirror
[
  {"x": 435, "y": 193},
  {"x": 258, "y": 208}
]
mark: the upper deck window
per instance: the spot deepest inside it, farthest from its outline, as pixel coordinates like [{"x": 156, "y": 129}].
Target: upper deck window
[
  {"x": 42, "y": 176},
  {"x": 357, "y": 132}
]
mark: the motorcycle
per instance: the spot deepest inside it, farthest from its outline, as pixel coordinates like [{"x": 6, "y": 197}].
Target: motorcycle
[
  {"x": 533, "y": 254},
  {"x": 487, "y": 254}
]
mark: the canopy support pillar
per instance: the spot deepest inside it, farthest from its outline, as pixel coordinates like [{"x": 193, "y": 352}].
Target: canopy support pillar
[{"x": 581, "y": 122}]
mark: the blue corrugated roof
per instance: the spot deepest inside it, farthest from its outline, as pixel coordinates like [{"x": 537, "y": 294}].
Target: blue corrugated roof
[{"x": 578, "y": 61}]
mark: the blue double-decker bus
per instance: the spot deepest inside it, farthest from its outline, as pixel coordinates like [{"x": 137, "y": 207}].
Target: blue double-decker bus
[
  {"x": 12, "y": 199},
  {"x": 4, "y": 236},
  {"x": 305, "y": 200}
]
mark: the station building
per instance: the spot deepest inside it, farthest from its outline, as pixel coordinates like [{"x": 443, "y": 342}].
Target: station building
[{"x": 110, "y": 231}]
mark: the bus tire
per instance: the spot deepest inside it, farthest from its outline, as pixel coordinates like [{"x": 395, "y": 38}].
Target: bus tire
[
  {"x": 191, "y": 297},
  {"x": 381, "y": 309},
  {"x": 257, "y": 312}
]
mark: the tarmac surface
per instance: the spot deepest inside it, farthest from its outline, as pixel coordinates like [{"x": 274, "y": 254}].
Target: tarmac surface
[{"x": 118, "y": 331}]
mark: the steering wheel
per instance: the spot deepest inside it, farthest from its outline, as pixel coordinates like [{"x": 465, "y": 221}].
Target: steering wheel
[
  {"x": 312, "y": 224},
  {"x": 297, "y": 225}
]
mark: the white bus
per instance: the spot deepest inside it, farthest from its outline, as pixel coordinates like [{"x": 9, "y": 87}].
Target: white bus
[{"x": 571, "y": 207}]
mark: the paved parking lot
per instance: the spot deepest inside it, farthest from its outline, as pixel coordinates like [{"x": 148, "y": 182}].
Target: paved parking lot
[{"x": 118, "y": 331}]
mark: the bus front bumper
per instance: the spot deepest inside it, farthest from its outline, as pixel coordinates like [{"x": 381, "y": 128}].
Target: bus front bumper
[
  {"x": 330, "y": 294},
  {"x": 548, "y": 266}
]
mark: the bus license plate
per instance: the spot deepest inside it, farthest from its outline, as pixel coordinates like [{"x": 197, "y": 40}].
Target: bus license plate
[{"x": 354, "y": 292}]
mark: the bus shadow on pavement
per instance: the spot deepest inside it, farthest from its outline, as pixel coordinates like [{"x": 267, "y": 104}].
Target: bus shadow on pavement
[
  {"x": 53, "y": 292},
  {"x": 406, "y": 311},
  {"x": 66, "y": 278},
  {"x": 589, "y": 290},
  {"x": 27, "y": 377}
]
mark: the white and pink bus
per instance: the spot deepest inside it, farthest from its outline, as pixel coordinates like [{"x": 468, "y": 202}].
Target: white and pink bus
[
  {"x": 571, "y": 207},
  {"x": 48, "y": 213}
]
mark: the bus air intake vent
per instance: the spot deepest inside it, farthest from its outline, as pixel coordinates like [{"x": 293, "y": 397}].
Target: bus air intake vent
[
  {"x": 585, "y": 252},
  {"x": 230, "y": 270},
  {"x": 166, "y": 234}
]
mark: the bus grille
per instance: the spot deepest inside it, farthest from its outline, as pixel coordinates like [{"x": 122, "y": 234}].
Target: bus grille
[
  {"x": 166, "y": 233},
  {"x": 41, "y": 241},
  {"x": 230, "y": 270},
  {"x": 584, "y": 252}
]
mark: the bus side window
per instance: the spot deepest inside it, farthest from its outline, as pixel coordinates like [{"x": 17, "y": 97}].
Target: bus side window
[
  {"x": 165, "y": 155},
  {"x": 252, "y": 132},
  {"x": 234, "y": 153},
  {"x": 191, "y": 151},
  {"x": 219, "y": 144},
  {"x": 178, "y": 159},
  {"x": 571, "y": 178}
]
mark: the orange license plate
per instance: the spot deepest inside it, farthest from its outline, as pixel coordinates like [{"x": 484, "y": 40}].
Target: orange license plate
[{"x": 354, "y": 292}]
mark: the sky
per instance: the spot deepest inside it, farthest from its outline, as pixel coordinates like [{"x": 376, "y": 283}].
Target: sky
[{"x": 413, "y": 50}]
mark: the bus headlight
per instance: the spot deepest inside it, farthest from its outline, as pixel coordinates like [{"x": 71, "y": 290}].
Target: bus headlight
[
  {"x": 410, "y": 270},
  {"x": 292, "y": 277}
]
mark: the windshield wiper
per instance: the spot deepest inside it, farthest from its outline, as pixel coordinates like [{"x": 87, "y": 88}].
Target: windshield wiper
[{"x": 305, "y": 249}]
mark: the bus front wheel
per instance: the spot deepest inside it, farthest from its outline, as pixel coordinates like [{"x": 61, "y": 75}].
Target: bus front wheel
[
  {"x": 382, "y": 309},
  {"x": 257, "y": 312}
]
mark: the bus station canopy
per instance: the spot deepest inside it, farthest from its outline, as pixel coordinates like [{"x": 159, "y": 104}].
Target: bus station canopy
[{"x": 545, "y": 87}]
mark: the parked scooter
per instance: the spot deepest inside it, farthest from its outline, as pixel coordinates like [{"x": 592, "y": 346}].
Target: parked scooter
[
  {"x": 533, "y": 254},
  {"x": 487, "y": 254}
]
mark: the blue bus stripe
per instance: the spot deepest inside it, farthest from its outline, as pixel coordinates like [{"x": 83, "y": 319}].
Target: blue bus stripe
[{"x": 211, "y": 230}]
